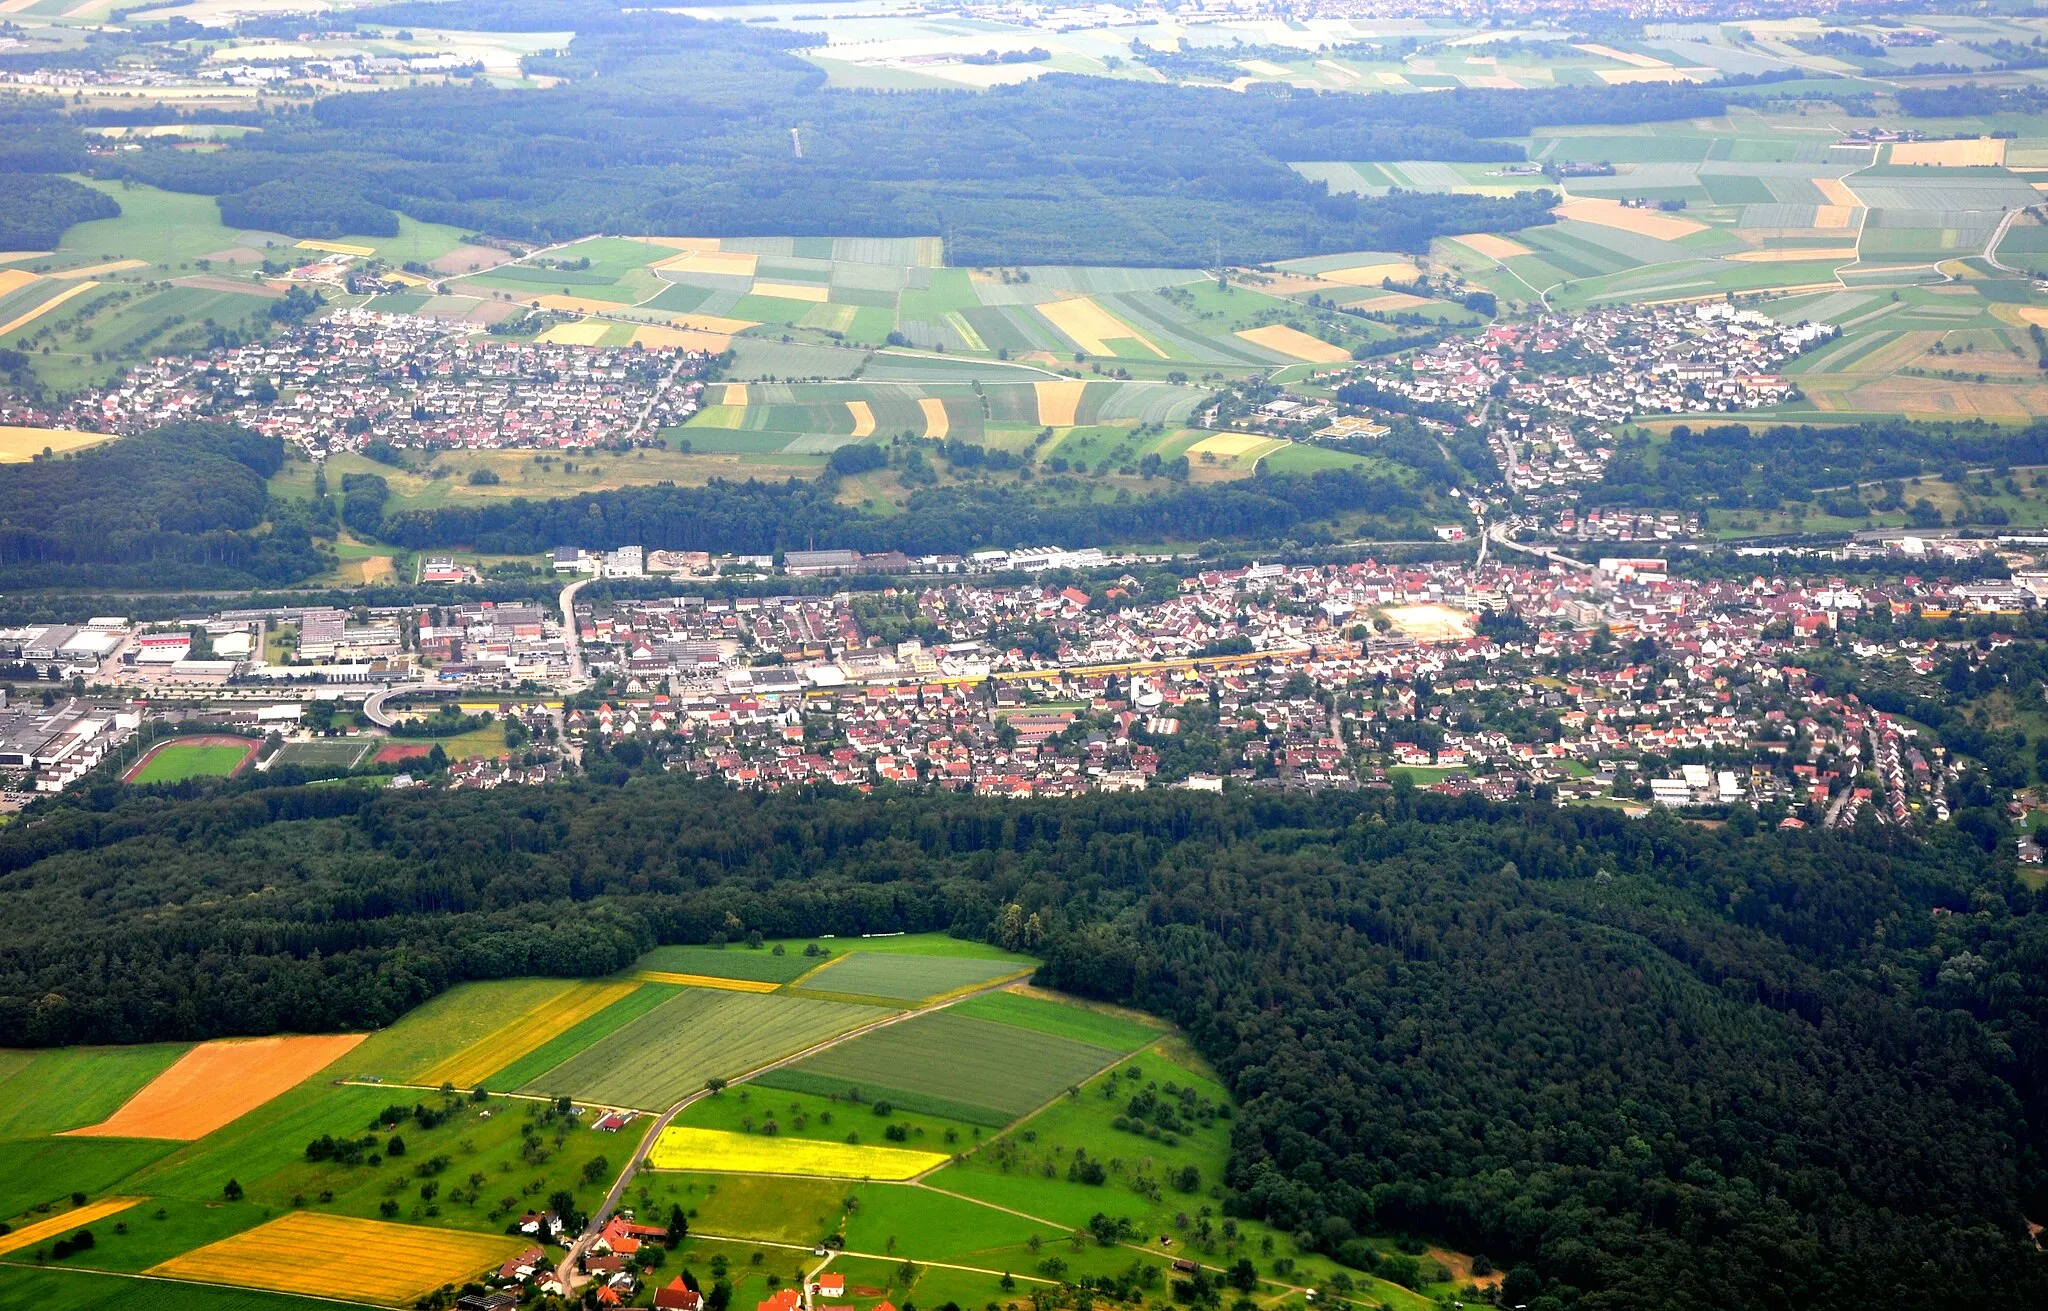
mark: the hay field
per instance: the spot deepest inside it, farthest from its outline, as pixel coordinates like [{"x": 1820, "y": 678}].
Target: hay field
[
  {"x": 1092, "y": 327},
  {"x": 706, "y": 981},
  {"x": 1642, "y": 222},
  {"x": 1971, "y": 152},
  {"x": 807, "y": 291},
  {"x": 14, "y": 280},
  {"x": 1491, "y": 246},
  {"x": 731, "y": 963},
  {"x": 27, "y": 317},
  {"x": 681, "y": 1147},
  {"x": 584, "y": 332},
  {"x": 1231, "y": 445},
  {"x": 735, "y": 395},
  {"x": 76, "y": 1218},
  {"x": 217, "y": 1083},
  {"x": 338, "y": 248},
  {"x": 906, "y": 978},
  {"x": 20, "y": 445},
  {"x": 1430, "y": 623},
  {"x": 732, "y": 263},
  {"x": 1838, "y": 193},
  {"x": 936, "y": 424},
  {"x": 1057, "y": 402},
  {"x": 863, "y": 419},
  {"x": 523, "y": 1033},
  {"x": 689, "y": 339},
  {"x": 1833, "y": 216},
  {"x": 1370, "y": 275},
  {"x": 337, "y": 1256},
  {"x": 1295, "y": 343}
]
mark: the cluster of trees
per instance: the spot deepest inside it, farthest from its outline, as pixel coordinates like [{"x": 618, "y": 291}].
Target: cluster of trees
[
  {"x": 764, "y": 517},
  {"x": 1645, "y": 1064},
  {"x": 35, "y": 205},
  {"x": 670, "y": 124},
  {"x": 1735, "y": 465},
  {"x": 182, "y": 506}
]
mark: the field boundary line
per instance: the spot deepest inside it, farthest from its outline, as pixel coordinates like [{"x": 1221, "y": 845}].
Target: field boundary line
[
  {"x": 828, "y": 962},
  {"x": 1117, "y": 1058},
  {"x": 965, "y": 988},
  {"x": 883, "y": 1256},
  {"x": 189, "y": 1283},
  {"x": 706, "y": 981}
]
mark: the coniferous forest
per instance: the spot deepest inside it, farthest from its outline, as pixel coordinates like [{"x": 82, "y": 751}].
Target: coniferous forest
[{"x": 1640, "y": 1064}]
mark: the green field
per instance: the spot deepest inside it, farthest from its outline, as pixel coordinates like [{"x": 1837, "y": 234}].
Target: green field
[
  {"x": 1115, "y": 1032},
  {"x": 996, "y": 1072},
  {"x": 579, "y": 1036},
  {"x": 701, "y": 1032},
  {"x": 762, "y": 966},
  {"x": 175, "y": 764},
  {"x": 46, "y": 1092},
  {"x": 905, "y": 978},
  {"x": 446, "y": 1025},
  {"x": 752, "y": 1106},
  {"x": 57, "y": 1289},
  {"x": 46, "y": 1170}
]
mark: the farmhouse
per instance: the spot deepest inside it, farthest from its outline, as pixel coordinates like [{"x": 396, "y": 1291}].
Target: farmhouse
[
  {"x": 787, "y": 1299},
  {"x": 521, "y": 1268},
  {"x": 829, "y": 1284},
  {"x": 678, "y": 1296},
  {"x": 539, "y": 1222}
]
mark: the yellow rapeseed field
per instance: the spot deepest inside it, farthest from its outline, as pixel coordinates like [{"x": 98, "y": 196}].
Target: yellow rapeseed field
[
  {"x": 337, "y": 1256},
  {"x": 683, "y": 1148}
]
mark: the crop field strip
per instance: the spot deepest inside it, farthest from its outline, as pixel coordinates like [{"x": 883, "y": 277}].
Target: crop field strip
[
  {"x": 653, "y": 1061},
  {"x": 575, "y": 1038},
  {"x": 683, "y": 1147},
  {"x": 1045, "y": 1015},
  {"x": 55, "y": 1089},
  {"x": 906, "y": 978},
  {"x": 79, "y": 1217},
  {"x": 982, "y": 1068},
  {"x": 522, "y": 1035},
  {"x": 337, "y": 1256},
  {"x": 218, "y": 1082},
  {"x": 62, "y": 1289}
]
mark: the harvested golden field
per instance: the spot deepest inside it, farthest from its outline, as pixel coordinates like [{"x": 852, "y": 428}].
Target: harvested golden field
[
  {"x": 1793, "y": 256},
  {"x": 1372, "y": 275},
  {"x": 1386, "y": 302},
  {"x": 1294, "y": 342},
  {"x": 14, "y": 280},
  {"x": 111, "y": 266},
  {"x": 1491, "y": 246},
  {"x": 809, "y": 291},
  {"x": 732, "y": 263},
  {"x": 1092, "y": 327},
  {"x": 712, "y": 323},
  {"x": 690, "y": 339},
  {"x": 30, "y": 316},
  {"x": 1228, "y": 445},
  {"x": 1833, "y": 216},
  {"x": 584, "y": 332},
  {"x": 16, "y": 256},
  {"x": 1057, "y": 402},
  {"x": 1620, "y": 56},
  {"x": 1633, "y": 76},
  {"x": 735, "y": 395},
  {"x": 337, "y": 1256},
  {"x": 338, "y": 248},
  {"x": 1627, "y": 218},
  {"x": 20, "y": 445},
  {"x": 1939, "y": 398},
  {"x": 1971, "y": 152},
  {"x": 863, "y": 418},
  {"x": 377, "y": 568},
  {"x": 706, "y": 981},
  {"x": 936, "y": 424},
  {"x": 558, "y": 1013},
  {"x": 76, "y": 1218},
  {"x": 1838, "y": 192},
  {"x": 217, "y": 1083}
]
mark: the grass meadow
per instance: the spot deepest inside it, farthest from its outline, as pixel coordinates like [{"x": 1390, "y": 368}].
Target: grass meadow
[
  {"x": 49, "y": 1091},
  {"x": 906, "y": 978}
]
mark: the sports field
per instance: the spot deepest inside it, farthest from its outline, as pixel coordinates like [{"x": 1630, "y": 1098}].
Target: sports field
[
  {"x": 346, "y": 752},
  {"x": 993, "y": 1072},
  {"x": 682, "y": 1147},
  {"x": 217, "y": 1082},
  {"x": 338, "y": 1256},
  {"x": 191, "y": 757},
  {"x": 653, "y": 1061},
  {"x": 905, "y": 978}
]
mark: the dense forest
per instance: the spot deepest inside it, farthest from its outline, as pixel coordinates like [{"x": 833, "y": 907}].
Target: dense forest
[
  {"x": 184, "y": 506},
  {"x": 35, "y": 205},
  {"x": 667, "y": 124},
  {"x": 1648, "y": 1064},
  {"x": 763, "y": 517},
  {"x": 1735, "y": 465}
]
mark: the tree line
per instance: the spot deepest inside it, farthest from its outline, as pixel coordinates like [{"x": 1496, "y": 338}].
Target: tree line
[{"x": 1637, "y": 1063}]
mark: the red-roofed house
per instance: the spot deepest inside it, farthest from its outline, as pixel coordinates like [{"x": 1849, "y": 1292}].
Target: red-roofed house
[{"x": 678, "y": 1296}]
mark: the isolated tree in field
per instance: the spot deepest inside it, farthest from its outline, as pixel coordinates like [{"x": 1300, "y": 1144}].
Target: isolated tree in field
[
  {"x": 232, "y": 1191},
  {"x": 714, "y": 1085}
]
